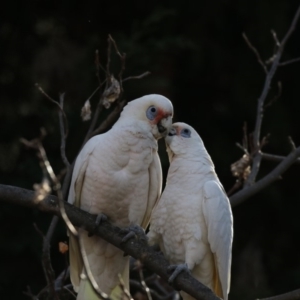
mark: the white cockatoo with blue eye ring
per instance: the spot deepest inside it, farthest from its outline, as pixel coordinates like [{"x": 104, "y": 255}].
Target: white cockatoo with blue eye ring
[
  {"x": 192, "y": 222},
  {"x": 117, "y": 174}
]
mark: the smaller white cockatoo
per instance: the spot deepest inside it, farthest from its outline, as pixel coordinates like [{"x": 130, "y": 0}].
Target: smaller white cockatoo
[
  {"x": 192, "y": 222},
  {"x": 117, "y": 174}
]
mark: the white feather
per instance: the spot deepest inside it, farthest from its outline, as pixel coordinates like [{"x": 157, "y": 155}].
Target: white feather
[
  {"x": 117, "y": 173},
  {"x": 193, "y": 222}
]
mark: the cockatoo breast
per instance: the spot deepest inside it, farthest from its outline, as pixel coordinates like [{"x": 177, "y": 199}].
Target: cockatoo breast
[{"x": 119, "y": 180}]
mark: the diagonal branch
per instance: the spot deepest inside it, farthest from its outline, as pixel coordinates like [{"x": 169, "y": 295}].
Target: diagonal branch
[
  {"x": 288, "y": 62},
  {"x": 277, "y": 158},
  {"x": 137, "y": 248},
  {"x": 47, "y": 267},
  {"x": 57, "y": 105},
  {"x": 260, "y": 61},
  {"x": 275, "y": 174}
]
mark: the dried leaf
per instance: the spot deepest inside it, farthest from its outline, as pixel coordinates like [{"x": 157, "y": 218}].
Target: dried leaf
[
  {"x": 63, "y": 247},
  {"x": 86, "y": 111},
  {"x": 241, "y": 168},
  {"x": 112, "y": 93}
]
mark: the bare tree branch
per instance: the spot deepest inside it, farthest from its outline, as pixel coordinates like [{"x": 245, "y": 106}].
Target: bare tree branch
[
  {"x": 58, "y": 106},
  {"x": 137, "y": 77},
  {"x": 137, "y": 248},
  {"x": 277, "y": 158},
  {"x": 288, "y": 62},
  {"x": 62, "y": 132},
  {"x": 47, "y": 266},
  {"x": 294, "y": 295},
  {"x": 260, "y": 106},
  {"x": 248, "y": 192},
  {"x": 30, "y": 294},
  {"x": 260, "y": 61},
  {"x": 122, "y": 58}
]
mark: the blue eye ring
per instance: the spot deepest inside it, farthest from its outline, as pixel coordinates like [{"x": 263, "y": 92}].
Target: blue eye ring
[
  {"x": 151, "y": 112},
  {"x": 185, "y": 132}
]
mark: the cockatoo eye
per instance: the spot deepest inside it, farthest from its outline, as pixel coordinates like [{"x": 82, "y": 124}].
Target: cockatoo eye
[
  {"x": 185, "y": 133},
  {"x": 151, "y": 112}
]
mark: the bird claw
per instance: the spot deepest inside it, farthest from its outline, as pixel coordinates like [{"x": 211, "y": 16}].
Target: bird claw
[
  {"x": 177, "y": 269},
  {"x": 133, "y": 231},
  {"x": 100, "y": 218}
]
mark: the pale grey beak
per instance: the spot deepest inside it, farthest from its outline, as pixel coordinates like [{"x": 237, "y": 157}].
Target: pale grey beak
[{"x": 172, "y": 132}]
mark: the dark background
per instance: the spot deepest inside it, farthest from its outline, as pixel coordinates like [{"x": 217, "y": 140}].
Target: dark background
[{"x": 199, "y": 60}]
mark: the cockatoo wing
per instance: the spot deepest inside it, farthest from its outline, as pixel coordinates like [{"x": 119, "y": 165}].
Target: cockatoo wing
[
  {"x": 218, "y": 218},
  {"x": 74, "y": 198},
  {"x": 155, "y": 184}
]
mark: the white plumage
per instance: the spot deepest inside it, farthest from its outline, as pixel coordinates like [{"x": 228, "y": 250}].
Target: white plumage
[
  {"x": 117, "y": 173},
  {"x": 192, "y": 222}
]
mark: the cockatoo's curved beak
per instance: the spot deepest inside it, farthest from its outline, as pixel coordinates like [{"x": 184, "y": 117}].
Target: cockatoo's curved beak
[
  {"x": 172, "y": 131},
  {"x": 164, "y": 124}
]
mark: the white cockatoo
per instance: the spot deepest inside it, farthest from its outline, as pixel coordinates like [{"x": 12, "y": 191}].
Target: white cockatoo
[
  {"x": 117, "y": 174},
  {"x": 192, "y": 222}
]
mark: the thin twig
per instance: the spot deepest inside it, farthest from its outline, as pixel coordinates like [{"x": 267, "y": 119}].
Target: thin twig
[
  {"x": 292, "y": 143},
  {"x": 37, "y": 145},
  {"x": 68, "y": 288},
  {"x": 137, "y": 77},
  {"x": 57, "y": 188},
  {"x": 108, "y": 56},
  {"x": 260, "y": 61},
  {"x": 288, "y": 62},
  {"x": 122, "y": 59},
  {"x": 94, "y": 92},
  {"x": 98, "y": 66},
  {"x": 47, "y": 266},
  {"x": 30, "y": 294},
  {"x": 274, "y": 34},
  {"x": 62, "y": 132},
  {"x": 58, "y": 106}
]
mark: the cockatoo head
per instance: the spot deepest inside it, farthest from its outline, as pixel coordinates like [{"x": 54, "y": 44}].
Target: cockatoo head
[
  {"x": 183, "y": 139},
  {"x": 154, "y": 112}
]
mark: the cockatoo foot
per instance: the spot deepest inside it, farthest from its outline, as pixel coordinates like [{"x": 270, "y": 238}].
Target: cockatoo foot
[
  {"x": 177, "y": 269},
  {"x": 99, "y": 219},
  {"x": 133, "y": 231}
]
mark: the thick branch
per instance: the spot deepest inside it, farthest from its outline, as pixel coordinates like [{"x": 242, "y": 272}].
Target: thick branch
[
  {"x": 137, "y": 248},
  {"x": 246, "y": 193},
  {"x": 294, "y": 295}
]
